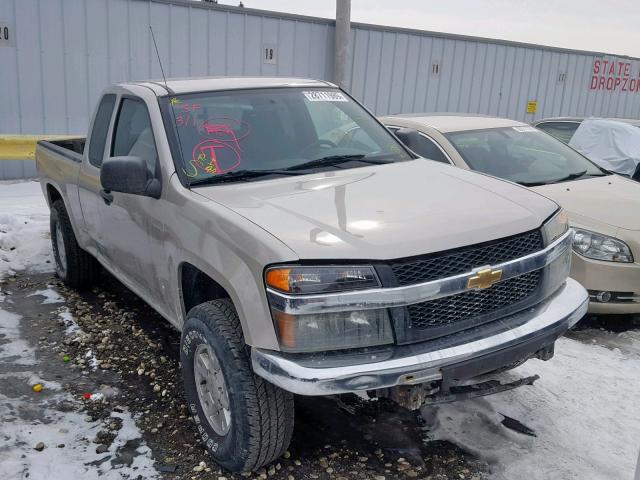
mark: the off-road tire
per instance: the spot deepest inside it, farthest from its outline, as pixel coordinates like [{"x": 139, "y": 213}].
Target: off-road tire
[
  {"x": 262, "y": 415},
  {"x": 82, "y": 270}
]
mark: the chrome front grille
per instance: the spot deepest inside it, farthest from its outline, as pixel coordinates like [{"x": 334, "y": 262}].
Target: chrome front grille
[
  {"x": 458, "y": 309},
  {"x": 468, "y": 309},
  {"x": 446, "y": 264}
]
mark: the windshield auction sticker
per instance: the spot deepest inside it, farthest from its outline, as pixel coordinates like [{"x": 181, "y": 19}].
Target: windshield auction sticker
[
  {"x": 525, "y": 129},
  {"x": 324, "y": 96}
]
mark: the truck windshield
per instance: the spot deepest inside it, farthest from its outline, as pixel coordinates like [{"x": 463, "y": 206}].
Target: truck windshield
[
  {"x": 523, "y": 155},
  {"x": 277, "y": 130}
]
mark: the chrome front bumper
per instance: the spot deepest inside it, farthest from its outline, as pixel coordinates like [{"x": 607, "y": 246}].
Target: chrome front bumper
[{"x": 549, "y": 319}]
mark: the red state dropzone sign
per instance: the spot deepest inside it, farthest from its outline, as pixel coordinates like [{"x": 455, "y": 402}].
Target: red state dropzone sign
[{"x": 614, "y": 75}]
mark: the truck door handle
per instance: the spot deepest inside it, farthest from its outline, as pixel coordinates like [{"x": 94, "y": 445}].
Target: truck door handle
[{"x": 106, "y": 196}]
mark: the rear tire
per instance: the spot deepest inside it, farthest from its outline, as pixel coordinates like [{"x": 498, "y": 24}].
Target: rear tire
[
  {"x": 247, "y": 422},
  {"x": 75, "y": 267}
]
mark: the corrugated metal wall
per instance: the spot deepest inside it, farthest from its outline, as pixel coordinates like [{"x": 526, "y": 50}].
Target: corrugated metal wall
[
  {"x": 393, "y": 72},
  {"x": 66, "y": 51}
]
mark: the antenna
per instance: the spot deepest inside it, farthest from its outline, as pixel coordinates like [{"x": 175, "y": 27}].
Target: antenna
[{"x": 159, "y": 61}]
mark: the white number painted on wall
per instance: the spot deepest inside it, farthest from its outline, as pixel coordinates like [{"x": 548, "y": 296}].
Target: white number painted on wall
[
  {"x": 7, "y": 35},
  {"x": 269, "y": 54}
]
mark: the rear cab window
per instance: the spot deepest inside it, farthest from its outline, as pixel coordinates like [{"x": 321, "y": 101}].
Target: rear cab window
[
  {"x": 100, "y": 129},
  {"x": 133, "y": 134},
  {"x": 427, "y": 148},
  {"x": 563, "y": 131}
]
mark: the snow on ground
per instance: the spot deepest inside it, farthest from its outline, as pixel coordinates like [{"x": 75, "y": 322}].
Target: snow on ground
[
  {"x": 584, "y": 410},
  {"x": 26, "y": 417},
  {"x": 13, "y": 348},
  {"x": 24, "y": 228},
  {"x": 49, "y": 294}
]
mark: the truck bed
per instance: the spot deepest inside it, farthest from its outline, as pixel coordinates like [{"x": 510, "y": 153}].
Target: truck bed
[
  {"x": 71, "y": 148},
  {"x": 58, "y": 164}
]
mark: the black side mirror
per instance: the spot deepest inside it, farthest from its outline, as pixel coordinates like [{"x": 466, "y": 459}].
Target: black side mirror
[
  {"x": 128, "y": 175},
  {"x": 409, "y": 137}
]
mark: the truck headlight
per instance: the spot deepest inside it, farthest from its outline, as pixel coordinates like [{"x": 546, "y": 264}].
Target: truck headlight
[
  {"x": 304, "y": 280},
  {"x": 325, "y": 331},
  {"x": 332, "y": 331},
  {"x": 555, "y": 227},
  {"x": 601, "y": 247}
]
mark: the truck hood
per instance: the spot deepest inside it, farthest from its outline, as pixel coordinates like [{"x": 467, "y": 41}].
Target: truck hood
[
  {"x": 610, "y": 200},
  {"x": 384, "y": 211}
]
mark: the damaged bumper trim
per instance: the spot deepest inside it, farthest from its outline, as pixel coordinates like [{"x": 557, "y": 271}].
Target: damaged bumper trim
[
  {"x": 376, "y": 298},
  {"x": 550, "y": 319}
]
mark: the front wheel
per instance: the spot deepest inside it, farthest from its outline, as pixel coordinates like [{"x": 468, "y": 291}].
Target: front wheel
[{"x": 244, "y": 421}]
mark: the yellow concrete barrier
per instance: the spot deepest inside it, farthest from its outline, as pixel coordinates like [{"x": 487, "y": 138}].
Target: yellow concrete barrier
[{"x": 23, "y": 147}]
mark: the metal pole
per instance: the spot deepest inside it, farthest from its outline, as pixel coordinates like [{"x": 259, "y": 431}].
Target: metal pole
[{"x": 343, "y": 44}]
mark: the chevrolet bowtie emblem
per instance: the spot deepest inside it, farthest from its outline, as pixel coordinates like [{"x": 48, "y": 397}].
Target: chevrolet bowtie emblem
[{"x": 484, "y": 278}]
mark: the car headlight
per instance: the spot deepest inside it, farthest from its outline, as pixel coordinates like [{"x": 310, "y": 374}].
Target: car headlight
[
  {"x": 601, "y": 247},
  {"x": 555, "y": 227},
  {"x": 325, "y": 331}
]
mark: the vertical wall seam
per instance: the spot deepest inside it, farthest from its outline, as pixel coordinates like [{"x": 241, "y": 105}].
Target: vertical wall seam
[
  {"x": 493, "y": 74},
  {"x": 87, "y": 58},
  {"x": 404, "y": 72},
  {"x": 484, "y": 64},
  {"x": 375, "y": 108},
  {"x": 391, "y": 77},
  {"x": 352, "y": 60},
  {"x": 170, "y": 37},
  {"x": 149, "y": 41},
  {"x": 364, "y": 74},
  {"x": 19, "y": 93},
  {"x": 130, "y": 62},
  {"x": 415, "y": 83},
  {"x": 429, "y": 74},
  {"x": 64, "y": 69},
  {"x": 108, "y": 43},
  {"x": 190, "y": 30},
  {"x": 42, "y": 75}
]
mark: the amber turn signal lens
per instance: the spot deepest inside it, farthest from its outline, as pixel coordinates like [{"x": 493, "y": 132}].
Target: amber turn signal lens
[
  {"x": 286, "y": 328},
  {"x": 278, "y": 278}
]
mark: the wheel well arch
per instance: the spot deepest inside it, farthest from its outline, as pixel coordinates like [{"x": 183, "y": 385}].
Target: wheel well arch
[
  {"x": 197, "y": 287},
  {"x": 53, "y": 194}
]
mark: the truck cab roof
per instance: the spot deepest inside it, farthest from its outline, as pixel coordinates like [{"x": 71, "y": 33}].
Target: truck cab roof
[{"x": 207, "y": 84}]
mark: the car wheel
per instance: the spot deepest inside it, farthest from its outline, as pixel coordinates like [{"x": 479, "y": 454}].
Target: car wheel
[
  {"x": 74, "y": 266},
  {"x": 244, "y": 421}
]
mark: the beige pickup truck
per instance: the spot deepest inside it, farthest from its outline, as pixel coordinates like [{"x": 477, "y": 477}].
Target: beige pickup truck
[{"x": 300, "y": 248}]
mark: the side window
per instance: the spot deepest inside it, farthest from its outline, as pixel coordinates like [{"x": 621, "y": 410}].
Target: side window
[
  {"x": 100, "y": 130},
  {"x": 133, "y": 135},
  {"x": 428, "y": 149},
  {"x": 563, "y": 131}
]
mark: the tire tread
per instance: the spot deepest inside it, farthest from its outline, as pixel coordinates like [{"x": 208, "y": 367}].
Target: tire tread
[
  {"x": 82, "y": 269},
  {"x": 270, "y": 409}
]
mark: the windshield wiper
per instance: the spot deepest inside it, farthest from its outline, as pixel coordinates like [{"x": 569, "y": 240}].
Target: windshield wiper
[
  {"x": 244, "y": 174},
  {"x": 571, "y": 176},
  {"x": 336, "y": 160}
]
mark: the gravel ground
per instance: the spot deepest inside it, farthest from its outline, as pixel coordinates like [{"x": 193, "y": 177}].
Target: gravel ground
[{"x": 126, "y": 358}]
